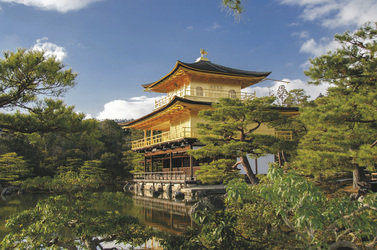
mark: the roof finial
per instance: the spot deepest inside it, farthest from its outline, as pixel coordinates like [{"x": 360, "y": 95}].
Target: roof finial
[{"x": 202, "y": 54}]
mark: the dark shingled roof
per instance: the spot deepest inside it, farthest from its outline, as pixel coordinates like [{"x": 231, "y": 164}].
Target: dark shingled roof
[
  {"x": 216, "y": 68},
  {"x": 209, "y": 67}
]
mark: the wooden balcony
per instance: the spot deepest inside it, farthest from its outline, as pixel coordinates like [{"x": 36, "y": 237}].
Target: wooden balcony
[
  {"x": 208, "y": 95},
  {"x": 163, "y": 137}
]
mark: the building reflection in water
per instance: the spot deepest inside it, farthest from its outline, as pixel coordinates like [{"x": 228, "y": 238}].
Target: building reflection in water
[{"x": 164, "y": 214}]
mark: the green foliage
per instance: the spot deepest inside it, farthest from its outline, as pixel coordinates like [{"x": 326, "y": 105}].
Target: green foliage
[
  {"x": 216, "y": 171},
  {"x": 285, "y": 211},
  {"x": 292, "y": 98},
  {"x": 296, "y": 98},
  {"x": 231, "y": 128},
  {"x": 46, "y": 132},
  {"x": 63, "y": 182},
  {"x": 185, "y": 241},
  {"x": 92, "y": 171},
  {"x": 220, "y": 231},
  {"x": 133, "y": 162},
  {"x": 315, "y": 220},
  {"x": 25, "y": 74},
  {"x": 342, "y": 124},
  {"x": 60, "y": 151},
  {"x": 235, "y": 7},
  {"x": 25, "y": 77},
  {"x": 37, "y": 184},
  {"x": 13, "y": 169},
  {"x": 238, "y": 193},
  {"x": 47, "y": 116},
  {"x": 84, "y": 220}
]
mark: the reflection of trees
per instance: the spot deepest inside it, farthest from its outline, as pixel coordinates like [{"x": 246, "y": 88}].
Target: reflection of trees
[
  {"x": 15, "y": 204},
  {"x": 75, "y": 220}
]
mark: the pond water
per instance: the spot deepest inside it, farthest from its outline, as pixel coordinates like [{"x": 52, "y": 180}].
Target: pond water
[{"x": 162, "y": 214}]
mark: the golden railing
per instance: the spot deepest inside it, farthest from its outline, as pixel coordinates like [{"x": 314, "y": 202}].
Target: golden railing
[
  {"x": 210, "y": 95},
  {"x": 184, "y": 132}
]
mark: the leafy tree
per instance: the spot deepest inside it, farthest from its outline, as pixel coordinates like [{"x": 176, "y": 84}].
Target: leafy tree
[
  {"x": 292, "y": 98},
  {"x": 281, "y": 95},
  {"x": 113, "y": 138},
  {"x": 216, "y": 171},
  {"x": 92, "y": 170},
  {"x": 133, "y": 162},
  {"x": 13, "y": 168},
  {"x": 26, "y": 76},
  {"x": 231, "y": 131},
  {"x": 49, "y": 116},
  {"x": 65, "y": 182},
  {"x": 287, "y": 211},
  {"x": 342, "y": 126},
  {"x": 290, "y": 125},
  {"x": 236, "y": 7},
  {"x": 296, "y": 98},
  {"x": 315, "y": 220},
  {"x": 82, "y": 220}
]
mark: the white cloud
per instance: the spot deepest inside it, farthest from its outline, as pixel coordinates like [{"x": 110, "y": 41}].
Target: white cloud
[
  {"x": 303, "y": 34},
  {"x": 50, "y": 49},
  {"x": 337, "y": 13},
  {"x": 312, "y": 90},
  {"x": 134, "y": 108},
  {"x": 62, "y": 6},
  {"x": 319, "y": 48}
]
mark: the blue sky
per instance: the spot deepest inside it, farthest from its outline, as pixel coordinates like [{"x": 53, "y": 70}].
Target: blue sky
[{"x": 117, "y": 45}]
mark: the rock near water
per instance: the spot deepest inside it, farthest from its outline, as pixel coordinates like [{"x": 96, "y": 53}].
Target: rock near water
[
  {"x": 209, "y": 203},
  {"x": 10, "y": 190}
]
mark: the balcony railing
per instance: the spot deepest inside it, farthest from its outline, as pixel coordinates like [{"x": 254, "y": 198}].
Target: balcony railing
[
  {"x": 163, "y": 176},
  {"x": 184, "y": 132},
  {"x": 210, "y": 95}
]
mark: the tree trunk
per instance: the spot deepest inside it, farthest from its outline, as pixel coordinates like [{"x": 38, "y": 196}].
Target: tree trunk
[
  {"x": 249, "y": 172},
  {"x": 279, "y": 158},
  {"x": 358, "y": 175}
]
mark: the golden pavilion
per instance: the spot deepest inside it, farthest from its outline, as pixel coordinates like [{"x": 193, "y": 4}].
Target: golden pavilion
[{"x": 170, "y": 130}]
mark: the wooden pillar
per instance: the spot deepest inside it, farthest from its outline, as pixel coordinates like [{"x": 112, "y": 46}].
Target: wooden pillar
[
  {"x": 171, "y": 162},
  {"x": 191, "y": 167},
  {"x": 256, "y": 166},
  {"x": 152, "y": 163},
  {"x": 145, "y": 163}
]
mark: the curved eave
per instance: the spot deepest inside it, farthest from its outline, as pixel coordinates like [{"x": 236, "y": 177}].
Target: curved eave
[
  {"x": 221, "y": 72},
  {"x": 150, "y": 85},
  {"x": 176, "y": 99}
]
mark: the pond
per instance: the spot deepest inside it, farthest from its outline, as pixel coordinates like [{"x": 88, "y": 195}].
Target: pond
[{"x": 162, "y": 214}]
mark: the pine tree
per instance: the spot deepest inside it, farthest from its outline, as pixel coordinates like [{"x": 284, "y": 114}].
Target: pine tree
[
  {"x": 342, "y": 126},
  {"x": 231, "y": 132}
]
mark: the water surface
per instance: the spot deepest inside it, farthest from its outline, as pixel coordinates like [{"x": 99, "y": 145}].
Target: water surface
[{"x": 162, "y": 214}]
